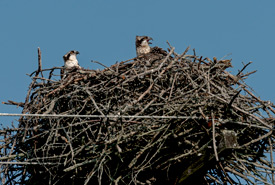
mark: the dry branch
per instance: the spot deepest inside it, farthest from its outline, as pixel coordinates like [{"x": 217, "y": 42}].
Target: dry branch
[{"x": 168, "y": 121}]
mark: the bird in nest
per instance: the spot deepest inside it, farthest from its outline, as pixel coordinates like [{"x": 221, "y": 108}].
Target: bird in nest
[
  {"x": 70, "y": 63},
  {"x": 146, "y": 52}
]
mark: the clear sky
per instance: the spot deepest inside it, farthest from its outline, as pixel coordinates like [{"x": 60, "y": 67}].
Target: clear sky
[{"x": 105, "y": 31}]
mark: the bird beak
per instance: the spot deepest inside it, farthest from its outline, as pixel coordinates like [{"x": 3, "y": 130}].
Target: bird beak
[
  {"x": 149, "y": 38},
  {"x": 77, "y": 52}
]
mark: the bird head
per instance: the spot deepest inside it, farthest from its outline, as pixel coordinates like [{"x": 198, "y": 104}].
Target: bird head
[
  {"x": 143, "y": 41},
  {"x": 71, "y": 55}
]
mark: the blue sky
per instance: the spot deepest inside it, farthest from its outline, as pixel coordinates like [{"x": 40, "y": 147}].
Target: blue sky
[{"x": 105, "y": 31}]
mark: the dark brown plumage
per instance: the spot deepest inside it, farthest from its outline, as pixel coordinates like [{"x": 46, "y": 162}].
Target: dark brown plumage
[{"x": 145, "y": 52}]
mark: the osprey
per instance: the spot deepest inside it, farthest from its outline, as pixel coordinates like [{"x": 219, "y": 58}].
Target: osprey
[
  {"x": 149, "y": 54},
  {"x": 142, "y": 45},
  {"x": 70, "y": 63}
]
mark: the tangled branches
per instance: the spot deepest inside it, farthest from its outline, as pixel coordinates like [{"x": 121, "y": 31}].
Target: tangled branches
[{"x": 176, "y": 119}]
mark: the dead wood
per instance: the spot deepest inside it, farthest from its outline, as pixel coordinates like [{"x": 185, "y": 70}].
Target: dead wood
[{"x": 218, "y": 131}]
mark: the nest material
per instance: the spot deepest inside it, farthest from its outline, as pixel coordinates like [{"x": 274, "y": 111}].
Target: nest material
[{"x": 177, "y": 119}]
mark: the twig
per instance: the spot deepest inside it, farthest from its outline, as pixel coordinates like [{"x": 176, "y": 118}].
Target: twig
[
  {"x": 214, "y": 136},
  {"x": 238, "y": 74}
]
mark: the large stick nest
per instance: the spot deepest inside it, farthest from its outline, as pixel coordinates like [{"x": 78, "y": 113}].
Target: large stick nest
[{"x": 175, "y": 119}]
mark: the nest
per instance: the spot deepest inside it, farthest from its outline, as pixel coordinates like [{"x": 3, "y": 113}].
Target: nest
[{"x": 177, "y": 119}]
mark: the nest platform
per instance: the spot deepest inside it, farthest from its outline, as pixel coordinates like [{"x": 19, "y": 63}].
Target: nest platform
[{"x": 179, "y": 119}]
